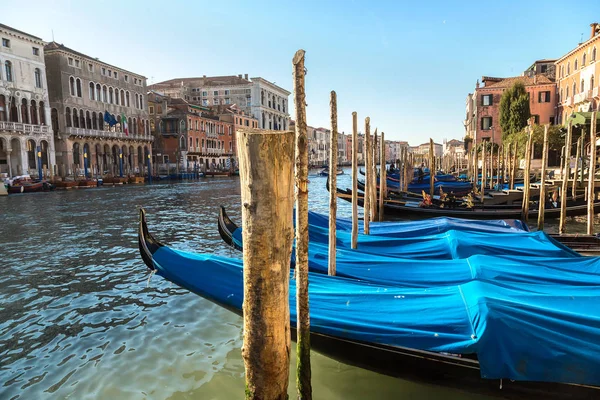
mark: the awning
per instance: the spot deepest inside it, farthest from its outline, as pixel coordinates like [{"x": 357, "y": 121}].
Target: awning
[{"x": 582, "y": 118}]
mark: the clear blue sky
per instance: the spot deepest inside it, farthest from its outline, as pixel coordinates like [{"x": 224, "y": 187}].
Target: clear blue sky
[{"x": 407, "y": 65}]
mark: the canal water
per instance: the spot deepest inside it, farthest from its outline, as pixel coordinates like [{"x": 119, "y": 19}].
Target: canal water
[{"x": 79, "y": 318}]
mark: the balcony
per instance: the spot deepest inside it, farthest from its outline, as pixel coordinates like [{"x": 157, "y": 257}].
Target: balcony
[
  {"x": 569, "y": 101},
  {"x": 24, "y": 128},
  {"x": 93, "y": 133},
  {"x": 580, "y": 97}
]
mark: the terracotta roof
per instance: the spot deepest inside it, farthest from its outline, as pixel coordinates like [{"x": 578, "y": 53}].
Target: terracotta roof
[
  {"x": 204, "y": 81},
  {"x": 56, "y": 46},
  {"x": 21, "y": 32},
  {"x": 525, "y": 80}
]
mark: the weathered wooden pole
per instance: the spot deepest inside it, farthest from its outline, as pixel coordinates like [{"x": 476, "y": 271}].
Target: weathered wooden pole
[
  {"x": 498, "y": 159},
  {"x": 383, "y": 174},
  {"x": 577, "y": 155},
  {"x": 483, "y": 171},
  {"x": 565, "y": 181},
  {"x": 475, "y": 167},
  {"x": 302, "y": 312},
  {"x": 526, "y": 177},
  {"x": 373, "y": 201},
  {"x": 333, "y": 161},
  {"x": 542, "y": 207},
  {"x": 368, "y": 178},
  {"x": 431, "y": 168},
  {"x": 266, "y": 171},
  {"x": 591, "y": 176},
  {"x": 354, "y": 181},
  {"x": 515, "y": 166}
]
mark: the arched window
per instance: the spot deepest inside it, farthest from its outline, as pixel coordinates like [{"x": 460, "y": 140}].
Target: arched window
[
  {"x": 122, "y": 97},
  {"x": 283, "y": 105},
  {"x": 98, "y": 92},
  {"x": 567, "y": 92},
  {"x": 137, "y": 101},
  {"x": 127, "y": 98},
  {"x": 88, "y": 120},
  {"x": 182, "y": 142},
  {"x": 110, "y": 95},
  {"x": 582, "y": 86},
  {"x": 560, "y": 96},
  {"x": 592, "y": 82},
  {"x": 575, "y": 65},
  {"x": 38, "y": 78},
  {"x": 94, "y": 121},
  {"x": 262, "y": 98},
  {"x": 104, "y": 93},
  {"x": 134, "y": 126},
  {"x": 583, "y": 58},
  {"x": 117, "y": 96},
  {"x": 593, "y": 54},
  {"x": 42, "y": 108},
  {"x": 78, "y": 84},
  {"x": 75, "y": 118},
  {"x": 141, "y": 102},
  {"x": 8, "y": 71},
  {"x": 81, "y": 119},
  {"x": 92, "y": 89},
  {"x": 72, "y": 86},
  {"x": 100, "y": 122},
  {"x": 68, "y": 121},
  {"x": 34, "y": 112},
  {"x": 574, "y": 89},
  {"x": 191, "y": 143},
  {"x": 568, "y": 68}
]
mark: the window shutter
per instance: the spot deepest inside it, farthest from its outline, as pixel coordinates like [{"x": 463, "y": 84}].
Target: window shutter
[
  {"x": 491, "y": 99},
  {"x": 540, "y": 97},
  {"x": 482, "y": 119}
]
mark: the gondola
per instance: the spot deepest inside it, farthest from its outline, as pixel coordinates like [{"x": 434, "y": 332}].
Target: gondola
[
  {"x": 219, "y": 280},
  {"x": 563, "y": 245},
  {"x": 413, "y": 209}
]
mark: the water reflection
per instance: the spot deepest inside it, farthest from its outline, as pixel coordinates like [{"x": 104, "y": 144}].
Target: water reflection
[{"x": 79, "y": 319}]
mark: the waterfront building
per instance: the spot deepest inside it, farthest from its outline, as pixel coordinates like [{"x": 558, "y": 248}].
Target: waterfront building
[
  {"x": 486, "y": 110},
  {"x": 394, "y": 149},
  {"x": 454, "y": 149},
  {"x": 25, "y": 133},
  {"x": 98, "y": 113},
  {"x": 577, "y": 77},
  {"x": 264, "y": 100},
  {"x": 157, "y": 109},
  {"x": 193, "y": 136},
  {"x": 423, "y": 149},
  {"x": 470, "y": 122},
  {"x": 239, "y": 119}
]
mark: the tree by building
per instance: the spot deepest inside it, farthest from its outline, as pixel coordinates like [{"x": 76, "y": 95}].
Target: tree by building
[{"x": 514, "y": 110}]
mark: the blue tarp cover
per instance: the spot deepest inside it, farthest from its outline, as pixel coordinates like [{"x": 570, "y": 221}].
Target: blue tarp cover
[{"x": 528, "y": 320}]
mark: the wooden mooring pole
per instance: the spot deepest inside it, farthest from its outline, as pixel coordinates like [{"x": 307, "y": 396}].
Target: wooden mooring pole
[
  {"x": 515, "y": 166},
  {"x": 431, "y": 168},
  {"x": 483, "y": 171},
  {"x": 565, "y": 181},
  {"x": 542, "y": 207},
  {"x": 526, "y": 176},
  {"x": 266, "y": 171},
  {"x": 383, "y": 175},
  {"x": 304, "y": 387},
  {"x": 333, "y": 161},
  {"x": 591, "y": 176},
  {"x": 373, "y": 201},
  {"x": 574, "y": 188},
  {"x": 354, "y": 180},
  {"x": 368, "y": 178}
]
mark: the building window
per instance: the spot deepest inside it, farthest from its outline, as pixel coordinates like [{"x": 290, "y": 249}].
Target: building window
[
  {"x": 593, "y": 54},
  {"x": 5, "y": 42},
  {"x": 560, "y": 96},
  {"x": 592, "y": 82},
  {"x": 116, "y": 75},
  {"x": 567, "y": 92},
  {"x": 151, "y": 109},
  {"x": 78, "y": 85},
  {"x": 36, "y": 51},
  {"x": 227, "y": 101},
  {"x": 486, "y": 123},
  {"x": 70, "y": 61},
  {"x": 487, "y": 100},
  {"x": 582, "y": 86},
  {"x": 544, "y": 97},
  {"x": 104, "y": 93},
  {"x": 205, "y": 94},
  {"x": 103, "y": 71},
  {"x": 92, "y": 89},
  {"x": 583, "y": 60},
  {"x": 568, "y": 68},
  {"x": 248, "y": 101},
  {"x": 38, "y": 78},
  {"x": 215, "y": 93},
  {"x": 544, "y": 69},
  {"x": 76, "y": 63},
  {"x": 126, "y": 78},
  {"x": 91, "y": 67},
  {"x": 575, "y": 65},
  {"x": 127, "y": 99},
  {"x": 109, "y": 73},
  {"x": 536, "y": 119},
  {"x": 226, "y": 92},
  {"x": 204, "y": 102},
  {"x": 216, "y": 102},
  {"x": 72, "y": 86},
  {"x": 141, "y": 102},
  {"x": 552, "y": 120},
  {"x": 574, "y": 89}
]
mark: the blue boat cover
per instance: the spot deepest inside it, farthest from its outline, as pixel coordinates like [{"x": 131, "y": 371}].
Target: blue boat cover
[
  {"x": 524, "y": 321},
  {"x": 450, "y": 244}
]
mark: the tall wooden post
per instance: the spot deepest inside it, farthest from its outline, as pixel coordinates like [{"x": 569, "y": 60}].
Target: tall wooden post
[
  {"x": 515, "y": 166},
  {"x": 575, "y": 173},
  {"x": 354, "y": 181},
  {"x": 302, "y": 312},
  {"x": 526, "y": 177},
  {"x": 368, "y": 177},
  {"x": 500, "y": 151},
  {"x": 475, "y": 171},
  {"x": 266, "y": 170},
  {"x": 333, "y": 161},
  {"x": 383, "y": 174},
  {"x": 431, "y": 168},
  {"x": 591, "y": 176},
  {"x": 373, "y": 201},
  {"x": 565, "y": 181},
  {"x": 542, "y": 207},
  {"x": 483, "y": 171}
]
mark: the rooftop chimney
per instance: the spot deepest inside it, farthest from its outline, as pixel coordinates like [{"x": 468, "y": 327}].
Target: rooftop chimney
[
  {"x": 204, "y": 76},
  {"x": 593, "y": 25},
  {"x": 246, "y": 76},
  {"x": 240, "y": 76}
]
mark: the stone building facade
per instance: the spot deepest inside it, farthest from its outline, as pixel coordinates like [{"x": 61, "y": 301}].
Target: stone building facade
[
  {"x": 98, "y": 114},
  {"x": 577, "y": 77},
  {"x": 264, "y": 100},
  {"x": 25, "y": 132}
]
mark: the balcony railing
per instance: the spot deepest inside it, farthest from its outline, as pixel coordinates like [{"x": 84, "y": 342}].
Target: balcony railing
[
  {"x": 580, "y": 97},
  {"x": 569, "y": 101},
  {"x": 107, "y": 134},
  {"x": 25, "y": 128}
]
